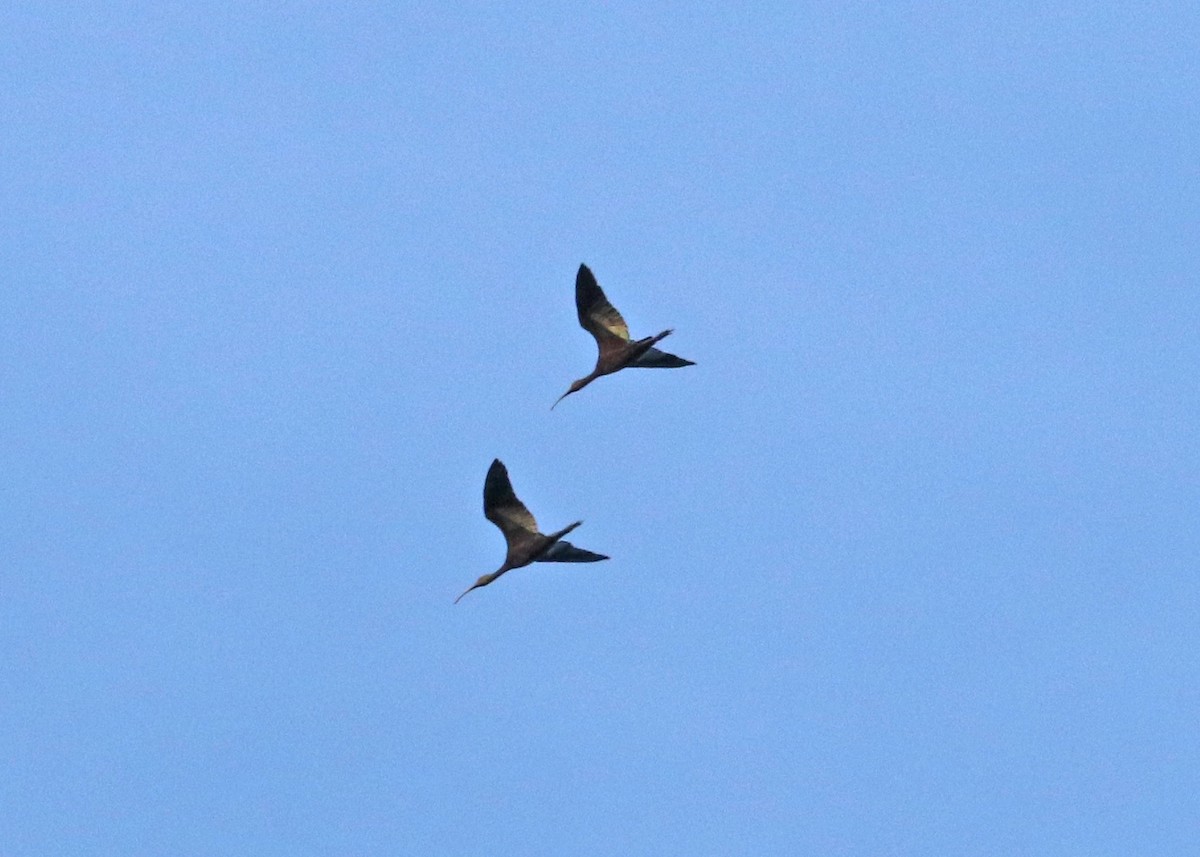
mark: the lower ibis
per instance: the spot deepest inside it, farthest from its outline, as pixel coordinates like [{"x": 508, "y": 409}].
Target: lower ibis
[{"x": 525, "y": 543}]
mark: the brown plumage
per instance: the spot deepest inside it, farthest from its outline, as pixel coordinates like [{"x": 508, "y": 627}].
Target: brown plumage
[
  {"x": 525, "y": 543},
  {"x": 616, "y": 351}
]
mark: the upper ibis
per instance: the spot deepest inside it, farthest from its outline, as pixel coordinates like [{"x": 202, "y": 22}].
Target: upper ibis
[{"x": 616, "y": 351}]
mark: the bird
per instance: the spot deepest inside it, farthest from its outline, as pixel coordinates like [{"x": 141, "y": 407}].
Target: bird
[
  {"x": 525, "y": 543},
  {"x": 616, "y": 351}
]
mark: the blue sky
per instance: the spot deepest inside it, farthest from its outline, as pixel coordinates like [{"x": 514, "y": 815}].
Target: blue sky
[{"x": 905, "y": 565}]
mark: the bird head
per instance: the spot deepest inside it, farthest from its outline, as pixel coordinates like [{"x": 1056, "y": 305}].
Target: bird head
[
  {"x": 483, "y": 581},
  {"x": 576, "y": 386}
]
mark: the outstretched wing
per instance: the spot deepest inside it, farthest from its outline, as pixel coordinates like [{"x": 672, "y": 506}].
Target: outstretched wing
[
  {"x": 655, "y": 359},
  {"x": 596, "y": 315},
  {"x": 501, "y": 506},
  {"x": 567, "y": 552}
]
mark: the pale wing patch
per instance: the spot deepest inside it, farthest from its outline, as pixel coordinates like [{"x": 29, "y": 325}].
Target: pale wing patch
[
  {"x": 596, "y": 315},
  {"x": 500, "y": 504},
  {"x": 607, "y": 317}
]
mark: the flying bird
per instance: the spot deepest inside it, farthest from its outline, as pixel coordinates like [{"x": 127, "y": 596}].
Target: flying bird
[
  {"x": 525, "y": 543},
  {"x": 601, "y": 319}
]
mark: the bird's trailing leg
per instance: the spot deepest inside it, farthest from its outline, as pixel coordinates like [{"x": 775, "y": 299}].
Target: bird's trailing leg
[
  {"x": 554, "y": 537},
  {"x": 646, "y": 356},
  {"x": 560, "y": 551}
]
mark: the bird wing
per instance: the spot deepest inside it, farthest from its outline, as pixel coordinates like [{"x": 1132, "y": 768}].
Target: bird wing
[
  {"x": 596, "y": 315},
  {"x": 566, "y": 552},
  {"x": 501, "y": 506},
  {"x": 655, "y": 359}
]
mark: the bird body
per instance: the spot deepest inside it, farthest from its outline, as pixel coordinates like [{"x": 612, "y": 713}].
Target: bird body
[
  {"x": 525, "y": 544},
  {"x": 616, "y": 350}
]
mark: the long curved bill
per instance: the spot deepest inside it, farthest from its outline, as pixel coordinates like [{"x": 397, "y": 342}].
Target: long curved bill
[
  {"x": 465, "y": 591},
  {"x": 559, "y": 399}
]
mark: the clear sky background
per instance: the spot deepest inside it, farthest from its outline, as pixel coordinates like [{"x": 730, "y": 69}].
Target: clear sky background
[{"x": 907, "y": 564}]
